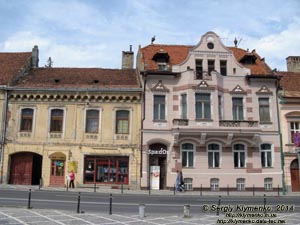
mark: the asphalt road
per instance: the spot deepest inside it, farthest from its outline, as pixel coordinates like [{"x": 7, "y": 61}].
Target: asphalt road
[{"x": 154, "y": 204}]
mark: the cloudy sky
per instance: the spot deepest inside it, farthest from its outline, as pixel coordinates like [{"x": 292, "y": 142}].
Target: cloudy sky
[{"x": 93, "y": 33}]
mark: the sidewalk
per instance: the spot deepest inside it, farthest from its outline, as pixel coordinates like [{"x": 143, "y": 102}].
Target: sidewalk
[{"x": 101, "y": 189}]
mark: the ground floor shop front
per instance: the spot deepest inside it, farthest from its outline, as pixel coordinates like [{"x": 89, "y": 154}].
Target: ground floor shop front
[{"x": 51, "y": 167}]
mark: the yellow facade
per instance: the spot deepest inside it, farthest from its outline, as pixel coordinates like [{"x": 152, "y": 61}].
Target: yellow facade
[{"x": 69, "y": 148}]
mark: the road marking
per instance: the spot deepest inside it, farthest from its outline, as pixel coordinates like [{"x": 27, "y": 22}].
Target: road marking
[
  {"x": 48, "y": 218},
  {"x": 73, "y": 217},
  {"x": 11, "y": 217}
]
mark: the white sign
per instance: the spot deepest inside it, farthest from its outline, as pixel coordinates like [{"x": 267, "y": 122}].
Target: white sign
[
  {"x": 154, "y": 177},
  {"x": 158, "y": 152}
]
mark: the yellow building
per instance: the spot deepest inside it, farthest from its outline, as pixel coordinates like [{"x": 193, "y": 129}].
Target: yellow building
[{"x": 81, "y": 119}]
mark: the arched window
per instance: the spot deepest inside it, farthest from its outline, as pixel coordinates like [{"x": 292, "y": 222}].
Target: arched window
[
  {"x": 266, "y": 155},
  {"x": 187, "y": 154},
  {"x": 214, "y": 154},
  {"x": 239, "y": 155}
]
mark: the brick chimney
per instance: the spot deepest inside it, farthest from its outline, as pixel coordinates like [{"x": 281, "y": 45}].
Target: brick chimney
[
  {"x": 127, "y": 59},
  {"x": 35, "y": 57},
  {"x": 293, "y": 64}
]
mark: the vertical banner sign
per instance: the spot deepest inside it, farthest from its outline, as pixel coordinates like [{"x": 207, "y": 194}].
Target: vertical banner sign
[
  {"x": 296, "y": 139},
  {"x": 154, "y": 177}
]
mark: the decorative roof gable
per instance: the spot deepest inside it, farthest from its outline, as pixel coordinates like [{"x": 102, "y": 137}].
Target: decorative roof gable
[
  {"x": 160, "y": 87},
  {"x": 264, "y": 90},
  {"x": 238, "y": 90}
]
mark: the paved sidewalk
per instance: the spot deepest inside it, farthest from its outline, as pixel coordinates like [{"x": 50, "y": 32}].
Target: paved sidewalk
[
  {"x": 48, "y": 217},
  {"x": 101, "y": 189}
]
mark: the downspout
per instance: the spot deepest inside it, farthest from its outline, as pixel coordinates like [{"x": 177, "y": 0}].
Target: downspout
[
  {"x": 142, "y": 125},
  {"x": 280, "y": 139},
  {"x": 3, "y": 129}
]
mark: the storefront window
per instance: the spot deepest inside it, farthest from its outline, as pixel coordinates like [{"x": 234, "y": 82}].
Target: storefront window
[{"x": 108, "y": 170}]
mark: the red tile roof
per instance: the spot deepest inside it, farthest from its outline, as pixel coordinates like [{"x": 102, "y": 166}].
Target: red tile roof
[
  {"x": 178, "y": 53},
  {"x": 11, "y": 64},
  {"x": 87, "y": 78},
  {"x": 290, "y": 83}
]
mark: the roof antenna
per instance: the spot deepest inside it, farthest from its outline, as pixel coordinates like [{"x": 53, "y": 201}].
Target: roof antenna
[{"x": 152, "y": 39}]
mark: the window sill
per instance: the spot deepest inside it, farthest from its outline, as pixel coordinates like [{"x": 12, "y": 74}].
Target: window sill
[
  {"x": 160, "y": 121},
  {"x": 265, "y": 123},
  {"x": 203, "y": 120}
]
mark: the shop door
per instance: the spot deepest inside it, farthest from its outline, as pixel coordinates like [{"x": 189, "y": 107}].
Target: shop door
[
  {"x": 295, "y": 176},
  {"x": 21, "y": 168},
  {"x": 57, "y": 177}
]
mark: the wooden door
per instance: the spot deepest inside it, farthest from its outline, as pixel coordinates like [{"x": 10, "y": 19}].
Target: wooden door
[
  {"x": 21, "y": 168},
  {"x": 57, "y": 176},
  {"x": 295, "y": 175}
]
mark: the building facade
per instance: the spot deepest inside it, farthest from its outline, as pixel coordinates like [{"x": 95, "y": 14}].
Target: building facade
[
  {"x": 289, "y": 109},
  {"x": 210, "y": 112},
  {"x": 81, "y": 119}
]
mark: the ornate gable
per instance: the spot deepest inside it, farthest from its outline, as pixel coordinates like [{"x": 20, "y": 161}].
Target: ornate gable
[
  {"x": 159, "y": 87},
  {"x": 203, "y": 86},
  {"x": 238, "y": 90},
  {"x": 264, "y": 90}
]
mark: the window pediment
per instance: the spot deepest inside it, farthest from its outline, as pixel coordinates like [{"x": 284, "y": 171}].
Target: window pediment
[
  {"x": 203, "y": 86},
  {"x": 238, "y": 90},
  {"x": 159, "y": 87},
  {"x": 264, "y": 90}
]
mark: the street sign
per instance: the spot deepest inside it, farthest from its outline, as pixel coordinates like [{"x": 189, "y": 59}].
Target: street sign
[{"x": 296, "y": 139}]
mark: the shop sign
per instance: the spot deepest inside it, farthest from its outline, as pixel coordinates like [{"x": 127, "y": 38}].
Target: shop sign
[{"x": 158, "y": 152}]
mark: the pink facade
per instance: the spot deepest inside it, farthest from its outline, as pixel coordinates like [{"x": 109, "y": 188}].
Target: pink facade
[{"x": 213, "y": 110}]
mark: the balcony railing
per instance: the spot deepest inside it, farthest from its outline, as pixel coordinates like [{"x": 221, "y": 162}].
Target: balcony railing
[
  {"x": 180, "y": 122},
  {"x": 235, "y": 123}
]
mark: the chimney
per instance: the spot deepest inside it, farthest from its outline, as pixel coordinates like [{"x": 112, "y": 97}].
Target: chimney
[
  {"x": 35, "y": 57},
  {"x": 127, "y": 59},
  {"x": 293, "y": 64}
]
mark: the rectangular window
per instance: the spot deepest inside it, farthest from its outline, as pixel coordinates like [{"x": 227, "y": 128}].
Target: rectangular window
[
  {"x": 223, "y": 67},
  {"x": 183, "y": 106},
  {"x": 122, "y": 122},
  {"x": 294, "y": 127},
  {"x": 57, "y": 117},
  {"x": 268, "y": 184},
  {"x": 237, "y": 109},
  {"x": 210, "y": 65},
  {"x": 26, "y": 120},
  {"x": 264, "y": 110},
  {"x": 159, "y": 107},
  {"x": 240, "y": 184},
  {"x": 199, "y": 69},
  {"x": 162, "y": 66},
  {"x": 92, "y": 121},
  {"x": 203, "y": 106}
]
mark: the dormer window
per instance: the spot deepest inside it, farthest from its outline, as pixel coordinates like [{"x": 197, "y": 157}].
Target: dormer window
[
  {"x": 162, "y": 59},
  {"x": 248, "y": 59},
  {"x": 162, "y": 66}
]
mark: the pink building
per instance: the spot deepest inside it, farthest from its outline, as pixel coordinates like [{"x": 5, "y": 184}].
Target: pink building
[{"x": 210, "y": 112}]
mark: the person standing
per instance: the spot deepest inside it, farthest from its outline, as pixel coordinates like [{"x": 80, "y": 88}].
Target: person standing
[
  {"x": 178, "y": 180},
  {"x": 72, "y": 178}
]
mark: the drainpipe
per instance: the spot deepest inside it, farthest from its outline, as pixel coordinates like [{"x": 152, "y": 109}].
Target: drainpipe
[
  {"x": 280, "y": 138},
  {"x": 3, "y": 129}
]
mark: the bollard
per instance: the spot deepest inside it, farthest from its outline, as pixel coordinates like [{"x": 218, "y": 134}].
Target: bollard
[
  {"x": 78, "y": 203},
  {"x": 141, "y": 210},
  {"x": 174, "y": 188},
  {"x": 95, "y": 187},
  {"x": 122, "y": 188},
  {"x": 278, "y": 194},
  {"x": 110, "y": 204},
  {"x": 219, "y": 204},
  {"x": 67, "y": 185},
  {"x": 253, "y": 190},
  {"x": 186, "y": 211},
  {"x": 201, "y": 190},
  {"x": 29, "y": 199},
  {"x": 227, "y": 190},
  {"x": 40, "y": 184},
  {"x": 149, "y": 190},
  {"x": 265, "y": 200}
]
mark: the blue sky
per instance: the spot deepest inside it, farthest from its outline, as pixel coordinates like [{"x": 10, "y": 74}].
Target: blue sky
[{"x": 93, "y": 33}]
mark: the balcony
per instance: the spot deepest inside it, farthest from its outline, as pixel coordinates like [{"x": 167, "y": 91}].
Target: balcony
[
  {"x": 180, "y": 122},
  {"x": 238, "y": 123}
]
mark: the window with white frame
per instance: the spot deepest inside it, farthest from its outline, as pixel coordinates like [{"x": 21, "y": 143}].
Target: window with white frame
[
  {"x": 213, "y": 151},
  {"x": 294, "y": 127},
  {"x": 237, "y": 109},
  {"x": 92, "y": 121},
  {"x": 214, "y": 184},
  {"x": 26, "y": 119},
  {"x": 239, "y": 155},
  {"x": 183, "y": 106},
  {"x": 159, "y": 108},
  {"x": 187, "y": 155},
  {"x": 203, "y": 105},
  {"x": 266, "y": 155},
  {"x": 268, "y": 182},
  {"x": 56, "y": 120},
  {"x": 264, "y": 110},
  {"x": 240, "y": 184}
]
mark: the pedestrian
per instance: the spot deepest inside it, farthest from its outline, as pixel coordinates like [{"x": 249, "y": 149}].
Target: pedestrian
[
  {"x": 72, "y": 178},
  {"x": 178, "y": 180}
]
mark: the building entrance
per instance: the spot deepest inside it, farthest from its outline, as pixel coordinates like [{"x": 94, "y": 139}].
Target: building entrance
[{"x": 295, "y": 175}]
